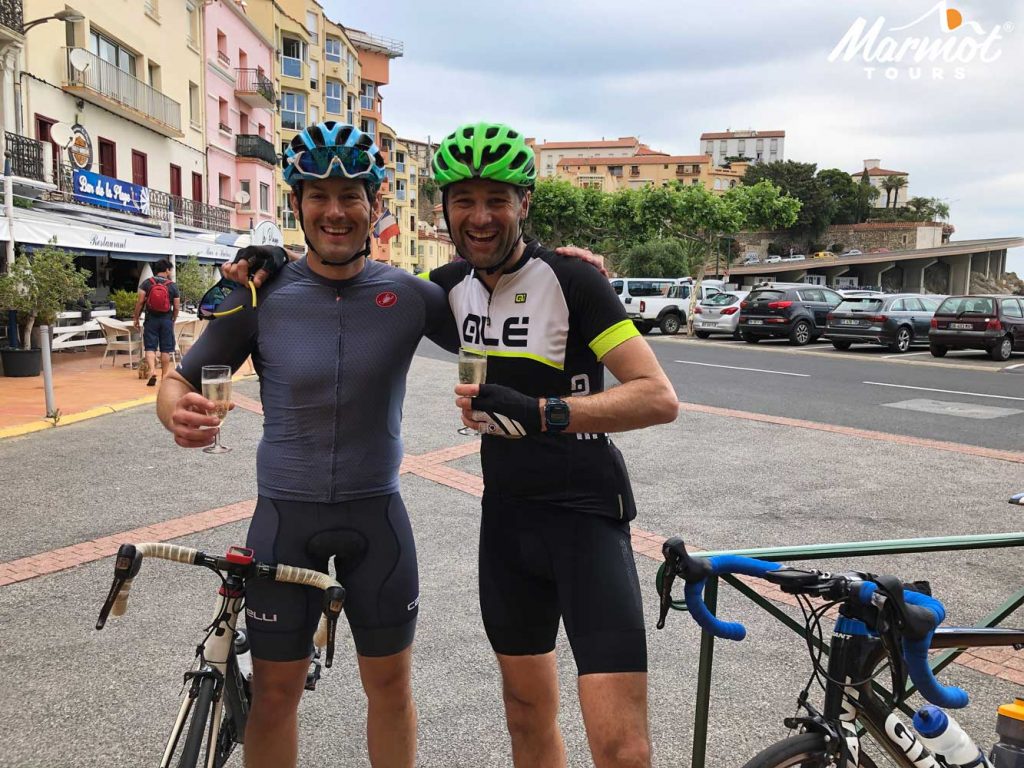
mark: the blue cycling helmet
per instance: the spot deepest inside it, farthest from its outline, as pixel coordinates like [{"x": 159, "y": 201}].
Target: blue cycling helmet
[{"x": 333, "y": 149}]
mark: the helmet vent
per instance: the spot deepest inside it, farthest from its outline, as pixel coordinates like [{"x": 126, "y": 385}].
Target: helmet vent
[
  {"x": 513, "y": 134},
  {"x": 491, "y": 132},
  {"x": 517, "y": 161},
  {"x": 344, "y": 133},
  {"x": 493, "y": 155},
  {"x": 440, "y": 162},
  {"x": 467, "y": 132},
  {"x": 316, "y": 135}
]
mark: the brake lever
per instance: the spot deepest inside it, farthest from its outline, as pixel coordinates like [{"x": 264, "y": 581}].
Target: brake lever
[
  {"x": 334, "y": 600},
  {"x": 126, "y": 567},
  {"x": 668, "y": 577}
]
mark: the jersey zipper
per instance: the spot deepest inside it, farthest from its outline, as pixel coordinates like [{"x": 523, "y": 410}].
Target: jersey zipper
[{"x": 338, "y": 374}]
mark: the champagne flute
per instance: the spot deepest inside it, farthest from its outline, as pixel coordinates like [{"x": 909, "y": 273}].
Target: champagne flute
[
  {"x": 472, "y": 370},
  {"x": 217, "y": 387}
]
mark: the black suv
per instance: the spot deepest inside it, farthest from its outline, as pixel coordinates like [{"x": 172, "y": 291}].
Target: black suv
[
  {"x": 992, "y": 322},
  {"x": 798, "y": 312},
  {"x": 895, "y": 321}
]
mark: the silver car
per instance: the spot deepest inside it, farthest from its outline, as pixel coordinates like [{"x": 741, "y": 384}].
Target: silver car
[{"x": 719, "y": 314}]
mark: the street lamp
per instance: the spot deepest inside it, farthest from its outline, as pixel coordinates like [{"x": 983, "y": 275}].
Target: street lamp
[{"x": 71, "y": 16}]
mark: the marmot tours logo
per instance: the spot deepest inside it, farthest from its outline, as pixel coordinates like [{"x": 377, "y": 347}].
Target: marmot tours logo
[{"x": 944, "y": 45}]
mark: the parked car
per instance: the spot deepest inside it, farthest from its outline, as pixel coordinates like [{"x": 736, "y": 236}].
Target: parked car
[
  {"x": 823, "y": 255},
  {"x": 718, "y": 314},
  {"x": 897, "y": 320},
  {"x": 851, "y": 293},
  {"x": 797, "y": 312},
  {"x": 630, "y": 288},
  {"x": 795, "y": 257},
  {"x": 992, "y": 322},
  {"x": 853, "y": 252},
  {"x": 773, "y": 259},
  {"x": 669, "y": 312},
  {"x": 751, "y": 258}
]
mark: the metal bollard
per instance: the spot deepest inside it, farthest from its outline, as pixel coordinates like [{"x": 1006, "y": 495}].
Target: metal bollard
[{"x": 44, "y": 340}]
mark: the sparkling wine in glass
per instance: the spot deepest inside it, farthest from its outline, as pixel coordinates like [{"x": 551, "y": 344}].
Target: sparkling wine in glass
[
  {"x": 472, "y": 370},
  {"x": 217, "y": 387}
]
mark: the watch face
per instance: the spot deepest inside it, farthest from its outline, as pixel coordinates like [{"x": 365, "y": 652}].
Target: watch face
[{"x": 558, "y": 414}]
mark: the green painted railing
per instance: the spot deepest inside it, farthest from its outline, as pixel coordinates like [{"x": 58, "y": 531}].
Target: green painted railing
[{"x": 822, "y": 552}]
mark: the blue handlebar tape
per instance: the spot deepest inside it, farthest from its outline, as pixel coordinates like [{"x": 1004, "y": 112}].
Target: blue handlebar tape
[
  {"x": 916, "y": 652},
  {"x": 722, "y": 564}
]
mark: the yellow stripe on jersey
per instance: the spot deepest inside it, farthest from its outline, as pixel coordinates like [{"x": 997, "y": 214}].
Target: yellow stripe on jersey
[
  {"x": 612, "y": 337},
  {"x": 527, "y": 356}
]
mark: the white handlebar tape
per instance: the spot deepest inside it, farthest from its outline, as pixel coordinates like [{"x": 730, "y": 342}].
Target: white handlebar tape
[
  {"x": 304, "y": 577},
  {"x": 172, "y": 552}
]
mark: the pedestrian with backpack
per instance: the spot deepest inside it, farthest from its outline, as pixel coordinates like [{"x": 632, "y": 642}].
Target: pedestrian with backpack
[{"x": 159, "y": 295}]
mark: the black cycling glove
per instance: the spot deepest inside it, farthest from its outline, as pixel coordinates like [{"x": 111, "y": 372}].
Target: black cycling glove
[
  {"x": 508, "y": 413},
  {"x": 268, "y": 257}
]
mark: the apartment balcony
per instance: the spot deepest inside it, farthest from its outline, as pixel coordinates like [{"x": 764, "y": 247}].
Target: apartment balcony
[
  {"x": 376, "y": 44},
  {"x": 12, "y": 21},
  {"x": 104, "y": 84},
  {"x": 25, "y": 155},
  {"x": 254, "y": 88},
  {"x": 250, "y": 145},
  {"x": 190, "y": 212}
]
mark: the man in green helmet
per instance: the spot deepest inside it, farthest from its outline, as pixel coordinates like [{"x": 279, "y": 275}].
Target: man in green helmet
[{"x": 554, "y": 538}]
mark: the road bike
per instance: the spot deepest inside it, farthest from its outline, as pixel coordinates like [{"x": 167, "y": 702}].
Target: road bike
[
  {"x": 216, "y": 704},
  {"x": 882, "y": 623}
]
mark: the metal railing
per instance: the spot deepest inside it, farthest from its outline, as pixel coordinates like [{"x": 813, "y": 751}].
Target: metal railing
[
  {"x": 225, "y": 127},
  {"x": 254, "y": 81},
  {"x": 251, "y": 145},
  {"x": 223, "y": 58},
  {"x": 830, "y": 551},
  {"x": 388, "y": 44},
  {"x": 117, "y": 85},
  {"x": 12, "y": 15},
  {"x": 191, "y": 212},
  {"x": 26, "y": 156}
]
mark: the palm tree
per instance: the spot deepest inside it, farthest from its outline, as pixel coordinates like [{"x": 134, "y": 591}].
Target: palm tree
[
  {"x": 888, "y": 184},
  {"x": 941, "y": 209},
  {"x": 897, "y": 183}
]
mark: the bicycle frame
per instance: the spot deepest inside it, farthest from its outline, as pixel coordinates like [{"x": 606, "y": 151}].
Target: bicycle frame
[
  {"x": 216, "y": 659},
  {"x": 855, "y": 657}
]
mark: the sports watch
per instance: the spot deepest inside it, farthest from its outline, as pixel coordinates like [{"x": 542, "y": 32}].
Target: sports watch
[{"x": 556, "y": 414}]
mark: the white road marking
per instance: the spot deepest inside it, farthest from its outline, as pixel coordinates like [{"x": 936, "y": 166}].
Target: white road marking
[
  {"x": 944, "y": 391},
  {"x": 738, "y": 368},
  {"x": 1013, "y": 367},
  {"x": 947, "y": 408},
  {"x": 904, "y": 354}
]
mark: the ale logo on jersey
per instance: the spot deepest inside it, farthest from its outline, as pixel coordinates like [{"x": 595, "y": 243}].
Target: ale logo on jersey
[
  {"x": 520, "y": 298},
  {"x": 387, "y": 299}
]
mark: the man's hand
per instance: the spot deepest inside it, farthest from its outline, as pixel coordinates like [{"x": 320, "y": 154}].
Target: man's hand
[
  {"x": 575, "y": 252},
  {"x": 262, "y": 260},
  {"x": 135, "y": 324},
  {"x": 191, "y": 413},
  {"x": 492, "y": 409}
]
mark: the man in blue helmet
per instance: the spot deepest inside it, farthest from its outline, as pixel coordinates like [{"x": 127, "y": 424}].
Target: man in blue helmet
[{"x": 332, "y": 341}]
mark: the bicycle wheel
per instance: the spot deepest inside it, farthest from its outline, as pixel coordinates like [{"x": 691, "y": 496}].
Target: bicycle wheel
[
  {"x": 804, "y": 751},
  {"x": 197, "y": 725}
]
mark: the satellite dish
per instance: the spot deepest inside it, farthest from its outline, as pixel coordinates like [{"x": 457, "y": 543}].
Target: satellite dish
[
  {"x": 242, "y": 197},
  {"x": 61, "y": 134},
  {"x": 80, "y": 59}
]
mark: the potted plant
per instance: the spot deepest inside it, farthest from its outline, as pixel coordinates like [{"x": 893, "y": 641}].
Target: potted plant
[
  {"x": 193, "y": 280},
  {"x": 38, "y": 287},
  {"x": 124, "y": 303}
]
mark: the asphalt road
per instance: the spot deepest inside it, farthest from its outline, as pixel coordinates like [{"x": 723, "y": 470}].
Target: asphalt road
[{"x": 76, "y": 697}]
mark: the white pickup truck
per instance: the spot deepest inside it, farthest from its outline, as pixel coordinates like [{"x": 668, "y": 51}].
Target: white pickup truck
[{"x": 669, "y": 312}]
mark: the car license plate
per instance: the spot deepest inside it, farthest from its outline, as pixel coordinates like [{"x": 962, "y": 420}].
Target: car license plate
[
  {"x": 708, "y": 324},
  {"x": 962, "y": 326},
  {"x": 755, "y": 322},
  {"x": 849, "y": 322}
]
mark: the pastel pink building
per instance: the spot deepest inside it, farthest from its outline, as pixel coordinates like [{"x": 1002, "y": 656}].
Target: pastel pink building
[{"x": 241, "y": 148}]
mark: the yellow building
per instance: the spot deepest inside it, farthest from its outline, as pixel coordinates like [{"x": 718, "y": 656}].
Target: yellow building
[
  {"x": 128, "y": 78},
  {"x": 433, "y": 249},
  {"x": 633, "y": 172}
]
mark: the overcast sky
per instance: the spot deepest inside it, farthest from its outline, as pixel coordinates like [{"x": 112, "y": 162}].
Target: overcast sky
[{"x": 569, "y": 70}]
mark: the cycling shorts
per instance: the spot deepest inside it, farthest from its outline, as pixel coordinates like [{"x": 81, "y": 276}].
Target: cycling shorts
[
  {"x": 375, "y": 560},
  {"x": 540, "y": 563}
]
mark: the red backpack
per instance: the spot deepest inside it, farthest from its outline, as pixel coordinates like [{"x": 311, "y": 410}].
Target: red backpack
[{"x": 158, "y": 298}]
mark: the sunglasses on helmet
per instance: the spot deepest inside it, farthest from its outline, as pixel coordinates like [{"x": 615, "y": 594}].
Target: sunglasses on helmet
[{"x": 319, "y": 162}]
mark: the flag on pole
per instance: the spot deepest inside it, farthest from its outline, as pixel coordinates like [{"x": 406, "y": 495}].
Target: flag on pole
[{"x": 386, "y": 226}]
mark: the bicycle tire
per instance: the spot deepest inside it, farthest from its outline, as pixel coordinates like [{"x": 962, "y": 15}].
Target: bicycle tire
[
  {"x": 804, "y": 751},
  {"x": 197, "y": 724}
]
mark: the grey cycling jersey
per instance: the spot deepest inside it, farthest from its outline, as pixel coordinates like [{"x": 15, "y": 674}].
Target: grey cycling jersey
[{"x": 332, "y": 357}]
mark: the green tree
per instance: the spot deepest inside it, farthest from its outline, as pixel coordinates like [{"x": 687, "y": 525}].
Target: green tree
[
  {"x": 428, "y": 187},
  {"x": 898, "y": 183},
  {"x": 562, "y": 214},
  {"x": 851, "y": 200},
  {"x": 798, "y": 180},
  {"x": 41, "y": 285},
  {"x": 668, "y": 257},
  {"x": 193, "y": 279}
]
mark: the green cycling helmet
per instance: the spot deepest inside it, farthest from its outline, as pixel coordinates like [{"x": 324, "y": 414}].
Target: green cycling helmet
[{"x": 485, "y": 151}]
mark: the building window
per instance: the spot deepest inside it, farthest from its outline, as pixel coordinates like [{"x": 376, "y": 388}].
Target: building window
[
  {"x": 193, "y": 25},
  {"x": 245, "y": 185},
  {"x": 709, "y": 147},
  {"x": 108, "y": 158},
  {"x": 264, "y": 197},
  {"x": 293, "y": 110},
  {"x": 312, "y": 22},
  {"x": 366, "y": 95},
  {"x": 332, "y": 49},
  {"x": 140, "y": 169},
  {"x": 420, "y": 250},
  {"x": 314, "y": 75},
  {"x": 350, "y": 65},
  {"x": 193, "y": 105},
  {"x": 286, "y": 214},
  {"x": 369, "y": 127},
  {"x": 112, "y": 53},
  {"x": 224, "y": 190},
  {"x": 225, "y": 115},
  {"x": 350, "y": 116},
  {"x": 222, "y": 49},
  {"x": 314, "y": 114},
  {"x": 335, "y": 95},
  {"x": 400, "y": 162},
  {"x": 175, "y": 181},
  {"x": 741, "y": 147},
  {"x": 291, "y": 57},
  {"x": 775, "y": 145},
  {"x": 412, "y": 222}
]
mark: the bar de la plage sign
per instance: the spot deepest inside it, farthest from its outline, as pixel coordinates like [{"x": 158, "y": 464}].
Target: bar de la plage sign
[{"x": 95, "y": 189}]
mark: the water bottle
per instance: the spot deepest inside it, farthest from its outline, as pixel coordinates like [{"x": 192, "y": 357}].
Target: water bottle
[
  {"x": 1008, "y": 752},
  {"x": 242, "y": 654},
  {"x": 944, "y": 737}
]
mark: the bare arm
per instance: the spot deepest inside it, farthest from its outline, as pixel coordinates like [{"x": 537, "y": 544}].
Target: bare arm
[
  {"x": 177, "y": 309},
  {"x": 139, "y": 302},
  {"x": 183, "y": 411}
]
